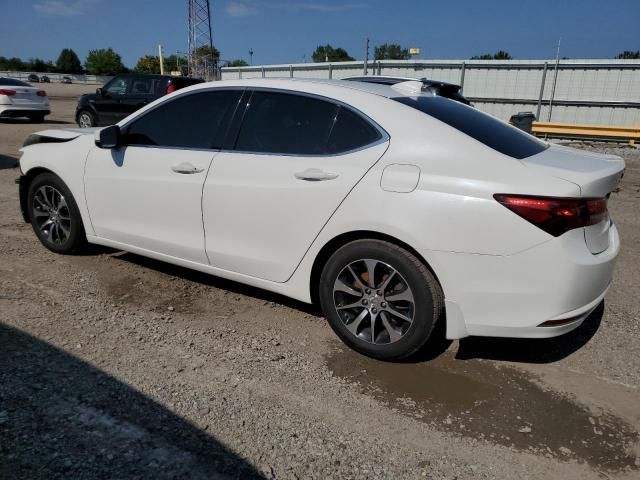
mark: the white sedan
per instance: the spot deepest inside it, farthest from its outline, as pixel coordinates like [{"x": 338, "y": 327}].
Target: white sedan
[
  {"x": 392, "y": 209},
  {"x": 19, "y": 99}
]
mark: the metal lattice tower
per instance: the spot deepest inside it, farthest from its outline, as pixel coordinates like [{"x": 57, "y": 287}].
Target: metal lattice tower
[{"x": 200, "y": 65}]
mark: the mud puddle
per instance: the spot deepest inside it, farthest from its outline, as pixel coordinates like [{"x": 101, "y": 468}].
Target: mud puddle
[{"x": 499, "y": 404}]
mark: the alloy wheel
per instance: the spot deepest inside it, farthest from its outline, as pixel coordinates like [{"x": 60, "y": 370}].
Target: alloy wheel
[
  {"x": 374, "y": 301},
  {"x": 51, "y": 214},
  {"x": 84, "y": 120}
]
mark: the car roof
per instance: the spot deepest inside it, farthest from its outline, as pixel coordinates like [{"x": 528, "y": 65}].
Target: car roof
[{"x": 296, "y": 83}]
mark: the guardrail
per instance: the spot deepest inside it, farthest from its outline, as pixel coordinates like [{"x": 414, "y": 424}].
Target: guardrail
[{"x": 588, "y": 132}]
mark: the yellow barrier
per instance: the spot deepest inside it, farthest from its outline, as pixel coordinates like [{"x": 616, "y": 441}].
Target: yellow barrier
[{"x": 607, "y": 132}]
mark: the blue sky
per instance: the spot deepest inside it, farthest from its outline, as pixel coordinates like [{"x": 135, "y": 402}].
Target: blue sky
[{"x": 285, "y": 32}]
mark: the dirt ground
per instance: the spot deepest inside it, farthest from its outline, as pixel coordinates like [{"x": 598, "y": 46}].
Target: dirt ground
[{"x": 117, "y": 366}]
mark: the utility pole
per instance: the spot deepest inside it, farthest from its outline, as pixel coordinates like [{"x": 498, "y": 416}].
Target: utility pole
[
  {"x": 555, "y": 80},
  {"x": 366, "y": 57},
  {"x": 161, "y": 59}
]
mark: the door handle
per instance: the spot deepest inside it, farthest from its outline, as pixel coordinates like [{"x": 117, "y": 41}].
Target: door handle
[
  {"x": 186, "y": 168},
  {"x": 315, "y": 175}
]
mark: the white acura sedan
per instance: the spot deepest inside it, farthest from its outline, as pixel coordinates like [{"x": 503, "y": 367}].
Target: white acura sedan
[
  {"x": 19, "y": 99},
  {"x": 392, "y": 209}
]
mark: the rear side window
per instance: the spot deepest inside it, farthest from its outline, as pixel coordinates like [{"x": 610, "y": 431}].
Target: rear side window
[
  {"x": 199, "y": 120},
  {"x": 350, "y": 132},
  {"x": 299, "y": 125},
  {"x": 287, "y": 124},
  {"x": 484, "y": 128}
]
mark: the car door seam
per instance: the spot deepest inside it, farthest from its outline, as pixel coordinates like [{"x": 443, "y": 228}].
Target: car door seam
[{"x": 336, "y": 209}]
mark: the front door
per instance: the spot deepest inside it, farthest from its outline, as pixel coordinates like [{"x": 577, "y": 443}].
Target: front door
[{"x": 148, "y": 192}]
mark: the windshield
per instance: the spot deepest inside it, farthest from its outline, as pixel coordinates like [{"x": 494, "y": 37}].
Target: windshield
[
  {"x": 484, "y": 128},
  {"x": 12, "y": 82}
]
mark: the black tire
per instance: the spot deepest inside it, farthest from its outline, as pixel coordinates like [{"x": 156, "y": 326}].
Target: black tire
[
  {"x": 88, "y": 117},
  {"x": 37, "y": 118},
  {"x": 426, "y": 305},
  {"x": 52, "y": 188}
]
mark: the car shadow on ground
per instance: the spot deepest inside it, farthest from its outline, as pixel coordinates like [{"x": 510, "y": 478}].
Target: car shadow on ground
[
  {"x": 541, "y": 350},
  {"x": 63, "y": 418},
  {"x": 7, "y": 161},
  {"x": 218, "y": 282},
  {"x": 490, "y": 348},
  {"x": 26, "y": 121}
]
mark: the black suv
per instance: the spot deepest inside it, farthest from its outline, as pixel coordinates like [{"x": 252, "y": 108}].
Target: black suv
[{"x": 123, "y": 95}]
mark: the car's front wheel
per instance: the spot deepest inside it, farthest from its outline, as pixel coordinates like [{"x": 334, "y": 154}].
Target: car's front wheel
[
  {"x": 86, "y": 119},
  {"x": 54, "y": 215},
  {"x": 380, "y": 299}
]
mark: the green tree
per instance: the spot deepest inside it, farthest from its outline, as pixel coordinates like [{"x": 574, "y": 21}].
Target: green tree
[
  {"x": 210, "y": 54},
  {"x": 175, "y": 63},
  {"x": 236, "y": 63},
  {"x": 326, "y": 53},
  {"x": 104, "y": 62},
  {"x": 68, "y": 62},
  {"x": 12, "y": 64},
  {"x": 391, "y": 51},
  {"x": 148, "y": 64},
  {"x": 499, "y": 55},
  {"x": 36, "y": 65},
  {"x": 629, "y": 54}
]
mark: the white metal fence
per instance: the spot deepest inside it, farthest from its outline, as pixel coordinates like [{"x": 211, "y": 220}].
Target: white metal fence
[{"x": 587, "y": 91}]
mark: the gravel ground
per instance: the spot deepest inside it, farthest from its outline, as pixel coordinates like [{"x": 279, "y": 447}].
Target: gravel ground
[{"x": 117, "y": 366}]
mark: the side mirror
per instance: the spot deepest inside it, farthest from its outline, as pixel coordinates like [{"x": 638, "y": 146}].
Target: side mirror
[
  {"x": 99, "y": 92},
  {"x": 108, "y": 137}
]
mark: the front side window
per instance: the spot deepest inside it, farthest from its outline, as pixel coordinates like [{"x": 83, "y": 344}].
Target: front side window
[
  {"x": 286, "y": 124},
  {"x": 484, "y": 128},
  {"x": 118, "y": 86},
  {"x": 198, "y": 120}
]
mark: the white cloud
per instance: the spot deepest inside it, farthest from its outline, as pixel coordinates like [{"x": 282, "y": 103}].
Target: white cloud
[
  {"x": 238, "y": 9},
  {"x": 250, "y": 7},
  {"x": 64, "y": 8}
]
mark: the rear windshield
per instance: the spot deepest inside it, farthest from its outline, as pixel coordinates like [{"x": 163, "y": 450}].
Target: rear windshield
[
  {"x": 12, "y": 82},
  {"x": 484, "y": 128}
]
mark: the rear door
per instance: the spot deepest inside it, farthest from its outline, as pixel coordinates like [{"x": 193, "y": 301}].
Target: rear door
[
  {"x": 141, "y": 92},
  {"x": 295, "y": 160}
]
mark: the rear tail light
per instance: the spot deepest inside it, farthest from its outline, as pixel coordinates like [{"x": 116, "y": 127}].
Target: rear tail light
[
  {"x": 7, "y": 92},
  {"x": 556, "y": 215},
  {"x": 41, "y": 93},
  {"x": 170, "y": 89}
]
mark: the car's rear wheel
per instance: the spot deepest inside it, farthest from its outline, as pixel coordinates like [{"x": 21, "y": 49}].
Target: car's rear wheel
[
  {"x": 54, "y": 215},
  {"x": 86, "y": 119},
  {"x": 380, "y": 299}
]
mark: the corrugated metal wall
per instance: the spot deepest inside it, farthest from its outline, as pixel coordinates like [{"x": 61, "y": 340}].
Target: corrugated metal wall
[{"x": 587, "y": 91}]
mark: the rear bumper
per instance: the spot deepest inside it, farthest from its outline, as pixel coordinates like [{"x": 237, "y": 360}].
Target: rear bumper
[
  {"x": 512, "y": 296},
  {"x": 15, "y": 111}
]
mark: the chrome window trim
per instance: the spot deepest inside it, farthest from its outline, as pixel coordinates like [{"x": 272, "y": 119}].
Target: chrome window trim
[{"x": 384, "y": 136}]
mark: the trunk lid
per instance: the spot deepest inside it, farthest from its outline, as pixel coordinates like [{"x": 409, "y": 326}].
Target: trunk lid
[
  {"x": 596, "y": 174},
  {"x": 26, "y": 95}
]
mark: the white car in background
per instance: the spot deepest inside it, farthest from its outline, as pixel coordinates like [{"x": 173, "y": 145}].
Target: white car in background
[
  {"x": 19, "y": 99},
  {"x": 392, "y": 209}
]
